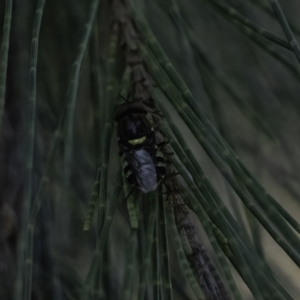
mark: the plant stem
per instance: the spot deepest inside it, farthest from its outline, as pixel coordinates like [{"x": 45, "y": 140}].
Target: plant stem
[
  {"x": 4, "y": 55},
  {"x": 234, "y": 14},
  {"x": 26, "y": 241},
  {"x": 286, "y": 28}
]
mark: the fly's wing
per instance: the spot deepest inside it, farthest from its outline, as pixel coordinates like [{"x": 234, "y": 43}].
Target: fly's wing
[{"x": 143, "y": 167}]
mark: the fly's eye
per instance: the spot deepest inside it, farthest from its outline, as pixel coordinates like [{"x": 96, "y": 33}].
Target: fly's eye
[{"x": 137, "y": 141}]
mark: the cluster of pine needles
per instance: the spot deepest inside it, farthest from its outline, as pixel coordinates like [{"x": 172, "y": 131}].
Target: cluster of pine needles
[{"x": 220, "y": 90}]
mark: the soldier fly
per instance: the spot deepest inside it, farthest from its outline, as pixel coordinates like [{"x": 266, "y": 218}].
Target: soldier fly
[{"x": 144, "y": 164}]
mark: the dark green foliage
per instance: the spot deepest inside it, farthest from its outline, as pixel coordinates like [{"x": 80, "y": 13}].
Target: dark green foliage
[{"x": 223, "y": 223}]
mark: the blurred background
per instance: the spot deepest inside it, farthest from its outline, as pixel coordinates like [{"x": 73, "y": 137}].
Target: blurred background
[{"x": 246, "y": 84}]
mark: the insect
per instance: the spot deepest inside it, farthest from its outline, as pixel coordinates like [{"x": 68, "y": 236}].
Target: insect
[{"x": 143, "y": 162}]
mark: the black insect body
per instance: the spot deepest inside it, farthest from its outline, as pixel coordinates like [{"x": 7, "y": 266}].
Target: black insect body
[{"x": 143, "y": 164}]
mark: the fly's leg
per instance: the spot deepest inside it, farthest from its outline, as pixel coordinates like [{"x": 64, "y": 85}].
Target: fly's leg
[
  {"x": 161, "y": 146},
  {"x": 132, "y": 206},
  {"x": 160, "y": 167}
]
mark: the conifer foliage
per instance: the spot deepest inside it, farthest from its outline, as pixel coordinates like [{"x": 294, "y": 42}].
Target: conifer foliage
[{"x": 149, "y": 150}]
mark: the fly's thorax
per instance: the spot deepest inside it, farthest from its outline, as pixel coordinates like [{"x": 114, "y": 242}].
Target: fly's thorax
[
  {"x": 133, "y": 127},
  {"x": 134, "y": 133},
  {"x": 134, "y": 122}
]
